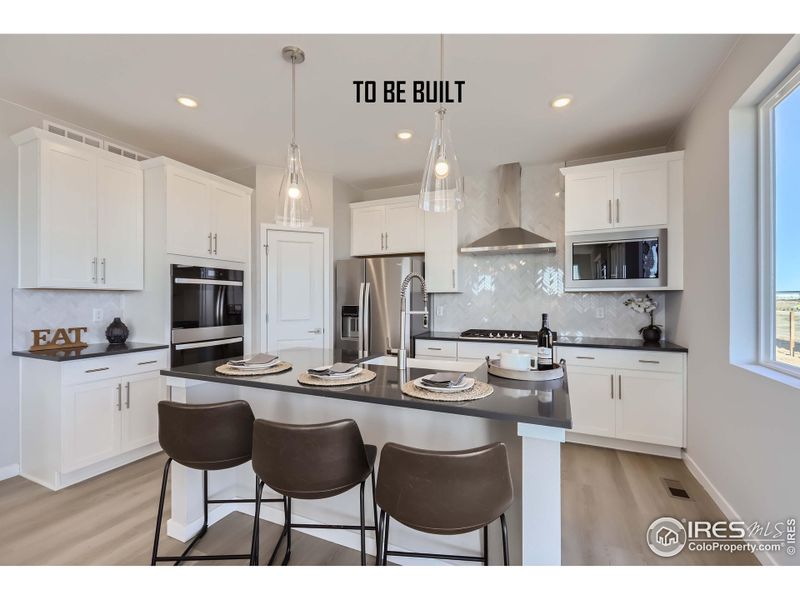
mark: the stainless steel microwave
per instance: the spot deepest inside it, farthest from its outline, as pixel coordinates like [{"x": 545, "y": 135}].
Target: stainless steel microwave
[{"x": 632, "y": 259}]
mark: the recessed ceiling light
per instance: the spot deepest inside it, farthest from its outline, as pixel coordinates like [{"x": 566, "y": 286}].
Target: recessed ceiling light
[
  {"x": 405, "y": 134},
  {"x": 187, "y": 101},
  {"x": 561, "y": 101}
]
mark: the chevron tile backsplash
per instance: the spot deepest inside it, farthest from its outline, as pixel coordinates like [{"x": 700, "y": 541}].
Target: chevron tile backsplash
[{"x": 512, "y": 291}]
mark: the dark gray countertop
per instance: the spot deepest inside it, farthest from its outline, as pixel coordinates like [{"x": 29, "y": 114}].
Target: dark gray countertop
[
  {"x": 90, "y": 351},
  {"x": 541, "y": 403},
  {"x": 586, "y": 342}
]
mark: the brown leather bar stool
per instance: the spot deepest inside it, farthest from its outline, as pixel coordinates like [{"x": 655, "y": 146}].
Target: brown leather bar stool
[
  {"x": 208, "y": 437},
  {"x": 311, "y": 462},
  {"x": 445, "y": 493}
]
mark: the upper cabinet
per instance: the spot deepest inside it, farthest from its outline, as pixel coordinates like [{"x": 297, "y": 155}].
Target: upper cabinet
[
  {"x": 393, "y": 226},
  {"x": 623, "y": 194},
  {"x": 81, "y": 214},
  {"x": 441, "y": 251},
  {"x": 206, "y": 216}
]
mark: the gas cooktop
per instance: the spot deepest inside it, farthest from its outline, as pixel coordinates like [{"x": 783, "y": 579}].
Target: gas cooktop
[{"x": 493, "y": 334}]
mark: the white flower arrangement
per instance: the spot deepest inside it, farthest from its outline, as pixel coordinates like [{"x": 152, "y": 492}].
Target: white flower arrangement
[{"x": 642, "y": 305}]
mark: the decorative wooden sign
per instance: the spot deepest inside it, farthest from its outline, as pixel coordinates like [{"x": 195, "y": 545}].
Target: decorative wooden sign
[{"x": 60, "y": 341}]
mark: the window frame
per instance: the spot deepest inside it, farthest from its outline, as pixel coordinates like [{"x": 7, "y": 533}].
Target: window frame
[{"x": 766, "y": 227}]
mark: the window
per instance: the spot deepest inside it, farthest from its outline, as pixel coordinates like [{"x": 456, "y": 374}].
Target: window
[{"x": 779, "y": 125}]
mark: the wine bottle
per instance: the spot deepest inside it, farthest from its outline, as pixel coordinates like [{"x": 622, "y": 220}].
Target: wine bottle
[{"x": 544, "y": 354}]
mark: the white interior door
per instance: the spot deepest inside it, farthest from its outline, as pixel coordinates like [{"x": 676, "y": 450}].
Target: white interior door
[
  {"x": 120, "y": 197},
  {"x": 295, "y": 289}
]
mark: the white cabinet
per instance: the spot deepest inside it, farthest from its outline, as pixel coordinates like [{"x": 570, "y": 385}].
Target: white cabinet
[
  {"x": 393, "y": 226},
  {"x": 624, "y": 194},
  {"x": 83, "y": 417},
  {"x": 81, "y": 214},
  {"x": 441, "y": 251},
  {"x": 435, "y": 349},
  {"x": 630, "y": 395},
  {"x": 207, "y": 216}
]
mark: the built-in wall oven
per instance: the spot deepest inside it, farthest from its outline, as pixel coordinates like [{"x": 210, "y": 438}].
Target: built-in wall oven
[
  {"x": 632, "y": 259},
  {"x": 207, "y": 314}
]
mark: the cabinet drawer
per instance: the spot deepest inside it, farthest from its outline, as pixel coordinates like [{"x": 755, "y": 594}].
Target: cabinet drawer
[
  {"x": 669, "y": 362},
  {"x": 437, "y": 348},
  {"x": 95, "y": 369},
  {"x": 484, "y": 349}
]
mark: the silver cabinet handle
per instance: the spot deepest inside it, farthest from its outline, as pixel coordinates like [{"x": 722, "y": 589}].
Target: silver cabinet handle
[
  {"x": 619, "y": 387},
  {"x": 651, "y": 362},
  {"x": 586, "y": 357},
  {"x": 148, "y": 362},
  {"x": 617, "y": 210},
  {"x": 96, "y": 370},
  {"x": 119, "y": 397},
  {"x": 209, "y": 242},
  {"x": 128, "y": 395},
  {"x": 215, "y": 243},
  {"x": 609, "y": 210},
  {"x": 316, "y": 331},
  {"x": 103, "y": 264},
  {"x": 387, "y": 240},
  {"x": 94, "y": 270},
  {"x": 381, "y": 241},
  {"x": 432, "y": 348},
  {"x": 454, "y": 278},
  {"x": 612, "y": 386}
]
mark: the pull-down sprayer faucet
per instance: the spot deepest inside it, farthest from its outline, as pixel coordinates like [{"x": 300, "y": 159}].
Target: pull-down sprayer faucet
[{"x": 405, "y": 316}]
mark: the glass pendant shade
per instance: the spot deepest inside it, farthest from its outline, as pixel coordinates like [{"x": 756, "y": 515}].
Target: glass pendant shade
[
  {"x": 442, "y": 184},
  {"x": 294, "y": 201}
]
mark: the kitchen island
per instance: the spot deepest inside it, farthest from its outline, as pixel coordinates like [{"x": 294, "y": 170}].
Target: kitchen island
[{"x": 530, "y": 418}]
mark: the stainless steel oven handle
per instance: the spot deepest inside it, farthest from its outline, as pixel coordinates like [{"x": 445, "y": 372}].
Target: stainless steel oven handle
[
  {"x": 189, "y": 280},
  {"x": 208, "y": 344}
]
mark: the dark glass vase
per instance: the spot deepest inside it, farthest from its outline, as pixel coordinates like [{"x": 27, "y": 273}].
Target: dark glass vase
[
  {"x": 652, "y": 333},
  {"x": 117, "y": 332}
]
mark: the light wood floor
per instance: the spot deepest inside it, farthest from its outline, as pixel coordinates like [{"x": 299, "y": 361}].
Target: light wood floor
[{"x": 609, "y": 499}]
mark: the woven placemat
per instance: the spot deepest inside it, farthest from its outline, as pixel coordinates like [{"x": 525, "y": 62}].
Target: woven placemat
[
  {"x": 281, "y": 367},
  {"x": 477, "y": 391},
  {"x": 364, "y": 377}
]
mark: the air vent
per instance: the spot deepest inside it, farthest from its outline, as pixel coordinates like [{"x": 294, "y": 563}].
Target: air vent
[
  {"x": 100, "y": 144},
  {"x": 675, "y": 489}
]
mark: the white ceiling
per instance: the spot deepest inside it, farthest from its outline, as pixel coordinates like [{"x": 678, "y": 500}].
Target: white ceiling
[{"x": 630, "y": 92}]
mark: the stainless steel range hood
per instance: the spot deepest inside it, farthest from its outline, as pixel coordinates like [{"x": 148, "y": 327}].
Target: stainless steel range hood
[{"x": 510, "y": 238}]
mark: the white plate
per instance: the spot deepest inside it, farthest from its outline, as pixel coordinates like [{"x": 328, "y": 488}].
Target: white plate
[
  {"x": 347, "y": 375},
  {"x": 255, "y": 367},
  {"x": 467, "y": 384}
]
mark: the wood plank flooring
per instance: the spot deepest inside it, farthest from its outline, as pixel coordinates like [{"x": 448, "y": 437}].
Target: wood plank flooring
[{"x": 609, "y": 499}]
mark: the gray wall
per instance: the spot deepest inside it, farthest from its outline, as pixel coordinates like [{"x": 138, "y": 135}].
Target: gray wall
[
  {"x": 512, "y": 291},
  {"x": 743, "y": 427}
]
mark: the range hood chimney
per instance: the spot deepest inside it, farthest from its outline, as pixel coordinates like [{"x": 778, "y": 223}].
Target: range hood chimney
[{"x": 510, "y": 238}]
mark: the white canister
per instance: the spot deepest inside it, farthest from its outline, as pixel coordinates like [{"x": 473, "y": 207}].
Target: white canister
[{"x": 515, "y": 360}]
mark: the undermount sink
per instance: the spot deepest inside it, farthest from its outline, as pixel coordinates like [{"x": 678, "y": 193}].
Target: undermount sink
[{"x": 435, "y": 364}]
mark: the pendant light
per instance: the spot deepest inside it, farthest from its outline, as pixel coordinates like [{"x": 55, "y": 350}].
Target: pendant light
[
  {"x": 294, "y": 201},
  {"x": 442, "y": 185}
]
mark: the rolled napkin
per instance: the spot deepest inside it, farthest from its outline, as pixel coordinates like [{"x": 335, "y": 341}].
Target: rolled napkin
[
  {"x": 257, "y": 359},
  {"x": 337, "y": 369},
  {"x": 444, "y": 380}
]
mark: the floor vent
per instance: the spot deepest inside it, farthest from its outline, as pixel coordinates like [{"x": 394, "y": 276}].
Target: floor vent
[{"x": 676, "y": 489}]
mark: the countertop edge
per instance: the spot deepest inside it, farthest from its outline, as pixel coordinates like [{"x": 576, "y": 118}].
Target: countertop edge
[
  {"x": 610, "y": 344},
  {"x": 49, "y": 357}
]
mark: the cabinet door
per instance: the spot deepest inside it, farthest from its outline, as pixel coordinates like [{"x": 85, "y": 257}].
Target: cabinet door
[
  {"x": 120, "y": 231},
  {"x": 649, "y": 407},
  {"x": 90, "y": 426},
  {"x": 588, "y": 205},
  {"x": 405, "y": 228},
  {"x": 68, "y": 235},
  {"x": 141, "y": 395},
  {"x": 188, "y": 215},
  {"x": 231, "y": 224},
  {"x": 366, "y": 230},
  {"x": 591, "y": 400},
  {"x": 441, "y": 251},
  {"x": 640, "y": 194}
]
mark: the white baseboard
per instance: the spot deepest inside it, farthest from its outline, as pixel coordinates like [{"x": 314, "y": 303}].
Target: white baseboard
[
  {"x": 765, "y": 558},
  {"x": 9, "y": 471},
  {"x": 626, "y": 445}
]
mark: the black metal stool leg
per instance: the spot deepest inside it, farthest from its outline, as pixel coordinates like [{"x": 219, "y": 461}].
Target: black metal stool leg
[
  {"x": 375, "y": 513},
  {"x": 160, "y": 511},
  {"x": 363, "y": 530},
  {"x": 204, "y": 528},
  {"x": 504, "y": 529},
  {"x": 486, "y": 545},
  {"x": 288, "y": 531},
  {"x": 385, "y": 539},
  {"x": 280, "y": 539},
  {"x": 256, "y": 525}
]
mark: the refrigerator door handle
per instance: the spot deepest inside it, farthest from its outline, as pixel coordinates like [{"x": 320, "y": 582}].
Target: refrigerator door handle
[{"x": 365, "y": 319}]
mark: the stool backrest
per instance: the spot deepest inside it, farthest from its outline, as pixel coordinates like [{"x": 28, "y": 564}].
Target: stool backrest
[
  {"x": 444, "y": 491},
  {"x": 309, "y": 461},
  {"x": 206, "y": 436}
]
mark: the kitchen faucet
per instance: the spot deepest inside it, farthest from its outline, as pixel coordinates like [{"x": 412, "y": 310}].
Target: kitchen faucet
[{"x": 405, "y": 316}]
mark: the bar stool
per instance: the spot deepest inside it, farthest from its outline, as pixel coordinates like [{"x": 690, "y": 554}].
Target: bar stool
[
  {"x": 208, "y": 437},
  {"x": 311, "y": 462},
  {"x": 445, "y": 493}
]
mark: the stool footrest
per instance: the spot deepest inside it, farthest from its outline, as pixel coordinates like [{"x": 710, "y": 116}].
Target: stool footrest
[
  {"x": 320, "y": 526},
  {"x": 432, "y": 555},
  {"x": 243, "y": 500},
  {"x": 190, "y": 558}
]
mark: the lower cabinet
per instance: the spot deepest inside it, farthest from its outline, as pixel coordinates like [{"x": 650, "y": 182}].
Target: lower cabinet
[
  {"x": 592, "y": 400},
  {"x": 90, "y": 424},
  {"x": 650, "y": 407},
  {"x": 139, "y": 412}
]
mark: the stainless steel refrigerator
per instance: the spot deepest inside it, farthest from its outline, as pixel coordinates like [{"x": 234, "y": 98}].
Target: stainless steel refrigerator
[{"x": 368, "y": 304}]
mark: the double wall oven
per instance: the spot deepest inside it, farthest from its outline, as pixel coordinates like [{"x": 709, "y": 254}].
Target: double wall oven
[{"x": 207, "y": 314}]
